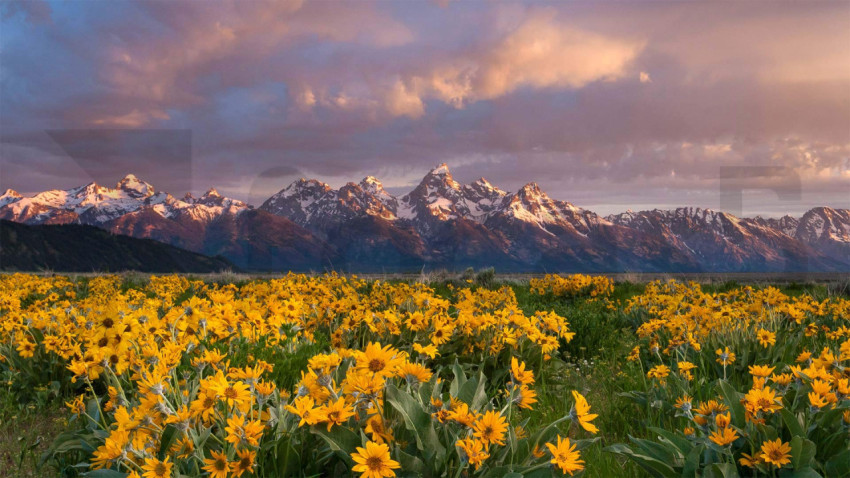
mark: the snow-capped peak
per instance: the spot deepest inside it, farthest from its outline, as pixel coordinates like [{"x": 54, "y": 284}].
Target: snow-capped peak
[
  {"x": 372, "y": 185},
  {"x": 441, "y": 170},
  {"x": 9, "y": 197},
  {"x": 134, "y": 187}
]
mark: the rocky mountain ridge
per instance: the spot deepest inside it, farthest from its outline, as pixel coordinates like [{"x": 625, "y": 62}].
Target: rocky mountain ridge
[{"x": 442, "y": 223}]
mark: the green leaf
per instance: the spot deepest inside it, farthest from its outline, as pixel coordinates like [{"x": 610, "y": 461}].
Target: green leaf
[
  {"x": 480, "y": 397},
  {"x": 93, "y": 411},
  {"x": 467, "y": 391},
  {"x": 681, "y": 443},
  {"x": 341, "y": 440},
  {"x": 168, "y": 436},
  {"x": 806, "y": 472},
  {"x": 103, "y": 473},
  {"x": 733, "y": 398},
  {"x": 839, "y": 465},
  {"x": 460, "y": 379},
  {"x": 417, "y": 421},
  {"x": 802, "y": 452},
  {"x": 721, "y": 470},
  {"x": 657, "y": 451},
  {"x": 410, "y": 464},
  {"x": 692, "y": 462},
  {"x": 792, "y": 423},
  {"x": 652, "y": 466}
]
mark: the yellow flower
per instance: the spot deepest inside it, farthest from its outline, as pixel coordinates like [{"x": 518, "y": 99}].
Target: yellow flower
[
  {"x": 565, "y": 456},
  {"x": 235, "y": 393},
  {"x": 723, "y": 436},
  {"x": 475, "y": 450},
  {"x": 336, "y": 413},
  {"x": 154, "y": 468},
  {"x": 762, "y": 399},
  {"x": 375, "y": 427},
  {"x": 722, "y": 420},
  {"x": 460, "y": 413},
  {"x": 582, "y": 409},
  {"x": 303, "y": 407},
  {"x": 659, "y": 372},
  {"x": 244, "y": 462},
  {"x": 490, "y": 428},
  {"x": 240, "y": 432},
  {"x": 766, "y": 338},
  {"x": 520, "y": 374},
  {"x": 761, "y": 370},
  {"x": 413, "y": 373},
  {"x": 724, "y": 356},
  {"x": 374, "y": 461},
  {"x": 378, "y": 360},
  {"x": 77, "y": 406},
  {"x": 525, "y": 397},
  {"x": 750, "y": 460},
  {"x": 26, "y": 349},
  {"x": 216, "y": 465},
  {"x": 685, "y": 368},
  {"x": 112, "y": 449},
  {"x": 684, "y": 403},
  {"x": 776, "y": 453},
  {"x": 817, "y": 400},
  {"x": 429, "y": 350}
]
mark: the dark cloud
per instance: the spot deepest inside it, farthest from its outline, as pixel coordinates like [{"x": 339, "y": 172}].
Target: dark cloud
[{"x": 605, "y": 105}]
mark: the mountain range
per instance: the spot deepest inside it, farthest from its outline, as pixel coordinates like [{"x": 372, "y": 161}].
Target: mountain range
[{"x": 443, "y": 224}]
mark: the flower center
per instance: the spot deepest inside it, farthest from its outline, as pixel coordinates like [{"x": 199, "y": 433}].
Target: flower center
[
  {"x": 374, "y": 463},
  {"x": 230, "y": 393},
  {"x": 376, "y": 365}
]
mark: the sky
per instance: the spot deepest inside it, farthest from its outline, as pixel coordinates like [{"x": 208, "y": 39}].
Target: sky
[{"x": 608, "y": 105}]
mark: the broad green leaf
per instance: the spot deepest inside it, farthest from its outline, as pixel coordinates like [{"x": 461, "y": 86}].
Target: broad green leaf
[
  {"x": 721, "y": 470},
  {"x": 681, "y": 443},
  {"x": 93, "y": 411},
  {"x": 839, "y": 465},
  {"x": 802, "y": 452},
  {"x": 792, "y": 423},
  {"x": 733, "y": 399},
  {"x": 340, "y": 439},
  {"x": 168, "y": 437},
  {"x": 410, "y": 464},
  {"x": 805, "y": 472},
  {"x": 691, "y": 467},
  {"x": 652, "y": 466},
  {"x": 104, "y": 474},
  {"x": 417, "y": 421},
  {"x": 657, "y": 451}
]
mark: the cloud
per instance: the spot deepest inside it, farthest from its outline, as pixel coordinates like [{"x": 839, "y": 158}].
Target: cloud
[{"x": 580, "y": 96}]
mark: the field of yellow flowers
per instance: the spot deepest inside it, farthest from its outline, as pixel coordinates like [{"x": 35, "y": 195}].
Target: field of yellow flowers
[{"x": 340, "y": 376}]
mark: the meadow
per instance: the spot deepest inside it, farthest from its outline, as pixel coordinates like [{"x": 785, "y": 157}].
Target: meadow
[{"x": 114, "y": 376}]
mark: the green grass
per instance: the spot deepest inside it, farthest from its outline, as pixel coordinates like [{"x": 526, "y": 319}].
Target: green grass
[{"x": 26, "y": 433}]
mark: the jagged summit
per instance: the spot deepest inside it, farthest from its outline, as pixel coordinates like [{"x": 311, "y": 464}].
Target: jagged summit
[
  {"x": 135, "y": 187},
  {"x": 441, "y": 170}
]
